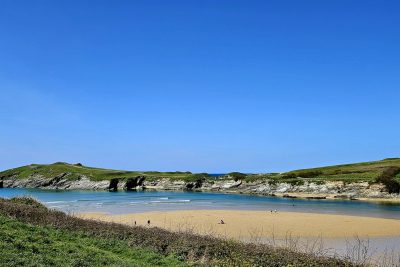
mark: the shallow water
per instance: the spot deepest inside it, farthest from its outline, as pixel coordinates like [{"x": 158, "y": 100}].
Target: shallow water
[{"x": 142, "y": 201}]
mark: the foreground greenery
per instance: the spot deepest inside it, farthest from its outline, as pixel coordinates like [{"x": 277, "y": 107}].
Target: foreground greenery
[
  {"x": 29, "y": 245},
  {"x": 365, "y": 171},
  {"x": 32, "y": 235}
]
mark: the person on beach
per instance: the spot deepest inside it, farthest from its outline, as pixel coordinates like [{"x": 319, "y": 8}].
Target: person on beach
[
  {"x": 148, "y": 222},
  {"x": 222, "y": 222},
  {"x": 135, "y": 223}
]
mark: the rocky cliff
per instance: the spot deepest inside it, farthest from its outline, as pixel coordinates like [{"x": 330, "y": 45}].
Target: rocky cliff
[{"x": 329, "y": 189}]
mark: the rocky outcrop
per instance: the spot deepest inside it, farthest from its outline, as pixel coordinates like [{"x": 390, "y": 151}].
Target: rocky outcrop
[
  {"x": 329, "y": 189},
  {"x": 59, "y": 182},
  {"x": 134, "y": 183},
  {"x": 194, "y": 185},
  {"x": 113, "y": 186}
]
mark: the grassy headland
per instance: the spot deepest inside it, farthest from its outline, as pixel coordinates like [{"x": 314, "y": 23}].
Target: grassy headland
[
  {"x": 364, "y": 171},
  {"x": 74, "y": 171},
  {"x": 33, "y": 235},
  {"x": 356, "y": 172}
]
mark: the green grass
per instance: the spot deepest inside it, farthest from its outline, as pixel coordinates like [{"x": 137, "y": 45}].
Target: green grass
[
  {"x": 365, "y": 171},
  {"x": 356, "y": 172},
  {"x": 28, "y": 245},
  {"x": 74, "y": 171}
]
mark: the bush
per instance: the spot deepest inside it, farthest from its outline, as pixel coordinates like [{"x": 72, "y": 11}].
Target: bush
[
  {"x": 237, "y": 176},
  {"x": 295, "y": 182},
  {"x": 195, "y": 177},
  {"x": 302, "y": 174},
  {"x": 387, "y": 178}
]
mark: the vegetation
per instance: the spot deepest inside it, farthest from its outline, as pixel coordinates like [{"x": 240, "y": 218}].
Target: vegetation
[
  {"x": 197, "y": 177},
  {"x": 74, "y": 171},
  {"x": 366, "y": 171},
  {"x": 32, "y": 235},
  {"x": 29, "y": 245},
  {"x": 237, "y": 176},
  {"x": 388, "y": 178}
]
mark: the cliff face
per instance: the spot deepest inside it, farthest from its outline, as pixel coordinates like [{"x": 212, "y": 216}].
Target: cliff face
[
  {"x": 58, "y": 182},
  {"x": 330, "y": 189}
]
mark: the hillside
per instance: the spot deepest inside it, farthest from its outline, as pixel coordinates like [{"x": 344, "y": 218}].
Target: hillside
[
  {"x": 364, "y": 171},
  {"x": 74, "y": 171}
]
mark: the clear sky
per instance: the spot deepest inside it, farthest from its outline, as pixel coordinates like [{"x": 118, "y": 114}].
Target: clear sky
[{"x": 210, "y": 85}]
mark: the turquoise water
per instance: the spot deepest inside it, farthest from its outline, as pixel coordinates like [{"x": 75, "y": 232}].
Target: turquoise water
[{"x": 141, "y": 201}]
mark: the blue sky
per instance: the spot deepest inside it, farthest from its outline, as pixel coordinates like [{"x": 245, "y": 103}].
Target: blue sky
[{"x": 214, "y": 86}]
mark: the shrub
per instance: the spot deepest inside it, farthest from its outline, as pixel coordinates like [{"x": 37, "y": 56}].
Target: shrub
[
  {"x": 237, "y": 176},
  {"x": 303, "y": 174},
  {"x": 387, "y": 178},
  {"x": 197, "y": 177},
  {"x": 295, "y": 182}
]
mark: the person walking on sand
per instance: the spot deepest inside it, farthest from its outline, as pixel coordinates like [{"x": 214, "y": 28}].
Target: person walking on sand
[{"x": 222, "y": 222}]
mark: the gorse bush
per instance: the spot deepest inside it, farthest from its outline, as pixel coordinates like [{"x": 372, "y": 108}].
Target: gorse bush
[{"x": 388, "y": 179}]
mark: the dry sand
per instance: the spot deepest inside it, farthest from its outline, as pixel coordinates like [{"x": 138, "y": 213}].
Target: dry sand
[{"x": 251, "y": 224}]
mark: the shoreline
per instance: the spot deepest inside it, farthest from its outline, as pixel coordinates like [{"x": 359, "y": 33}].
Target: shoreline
[
  {"x": 245, "y": 224},
  {"x": 334, "y": 197},
  {"x": 298, "y": 195}
]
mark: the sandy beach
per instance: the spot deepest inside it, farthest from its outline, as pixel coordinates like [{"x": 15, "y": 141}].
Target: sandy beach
[{"x": 244, "y": 224}]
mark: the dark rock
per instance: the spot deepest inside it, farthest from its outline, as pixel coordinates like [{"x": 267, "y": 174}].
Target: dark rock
[
  {"x": 198, "y": 183},
  {"x": 133, "y": 183},
  {"x": 194, "y": 185},
  {"x": 141, "y": 180},
  {"x": 288, "y": 196},
  {"x": 342, "y": 197},
  {"x": 113, "y": 184},
  {"x": 189, "y": 186},
  {"x": 55, "y": 180},
  {"x": 315, "y": 197}
]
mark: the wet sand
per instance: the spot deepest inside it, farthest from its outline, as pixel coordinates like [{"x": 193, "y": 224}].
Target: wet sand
[{"x": 245, "y": 224}]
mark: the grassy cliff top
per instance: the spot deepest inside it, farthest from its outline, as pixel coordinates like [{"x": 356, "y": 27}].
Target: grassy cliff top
[
  {"x": 364, "y": 171},
  {"x": 76, "y": 170}
]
